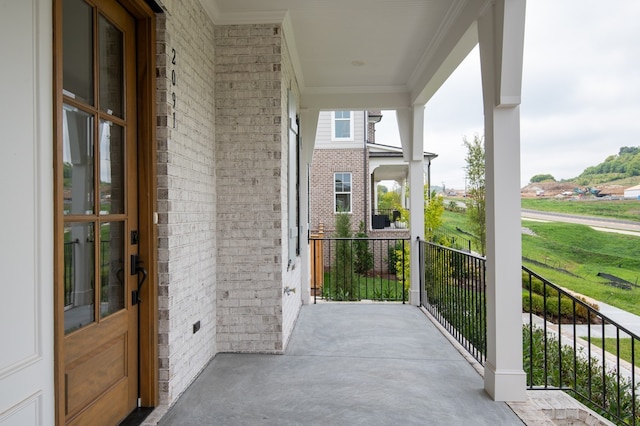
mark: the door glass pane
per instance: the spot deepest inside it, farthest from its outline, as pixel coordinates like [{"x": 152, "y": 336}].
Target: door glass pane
[
  {"x": 112, "y": 268},
  {"x": 111, "y": 67},
  {"x": 79, "y": 275},
  {"x": 111, "y": 168},
  {"x": 78, "y": 50},
  {"x": 77, "y": 155}
]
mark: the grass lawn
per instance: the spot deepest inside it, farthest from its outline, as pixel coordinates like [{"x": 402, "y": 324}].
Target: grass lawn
[
  {"x": 617, "y": 209},
  {"x": 572, "y": 255},
  {"x": 625, "y": 348},
  {"x": 364, "y": 288}
]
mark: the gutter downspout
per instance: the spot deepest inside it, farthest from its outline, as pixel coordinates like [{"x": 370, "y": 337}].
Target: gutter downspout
[{"x": 365, "y": 170}]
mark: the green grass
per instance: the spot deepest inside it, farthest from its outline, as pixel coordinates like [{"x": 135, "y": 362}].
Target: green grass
[
  {"x": 452, "y": 221},
  {"x": 364, "y": 288},
  {"x": 572, "y": 255},
  {"x": 617, "y": 209},
  {"x": 625, "y": 347}
]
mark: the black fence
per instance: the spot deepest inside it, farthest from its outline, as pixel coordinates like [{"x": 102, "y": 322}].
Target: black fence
[
  {"x": 453, "y": 291},
  {"x": 569, "y": 345},
  {"x": 351, "y": 269},
  {"x": 453, "y": 239}
]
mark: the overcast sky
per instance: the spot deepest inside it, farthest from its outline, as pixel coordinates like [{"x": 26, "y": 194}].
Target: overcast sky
[{"x": 580, "y": 93}]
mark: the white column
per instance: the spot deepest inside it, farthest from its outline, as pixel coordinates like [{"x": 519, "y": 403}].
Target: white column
[
  {"x": 501, "y": 35},
  {"x": 411, "y": 127},
  {"x": 308, "y": 126}
]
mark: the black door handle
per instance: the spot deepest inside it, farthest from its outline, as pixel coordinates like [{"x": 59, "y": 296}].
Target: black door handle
[{"x": 137, "y": 269}]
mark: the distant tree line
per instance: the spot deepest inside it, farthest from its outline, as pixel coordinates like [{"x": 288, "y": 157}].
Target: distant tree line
[{"x": 625, "y": 164}]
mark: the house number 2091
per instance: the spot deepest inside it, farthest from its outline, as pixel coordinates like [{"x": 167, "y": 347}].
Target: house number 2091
[{"x": 173, "y": 85}]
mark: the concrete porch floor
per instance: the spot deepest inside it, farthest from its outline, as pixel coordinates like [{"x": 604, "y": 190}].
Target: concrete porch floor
[{"x": 346, "y": 364}]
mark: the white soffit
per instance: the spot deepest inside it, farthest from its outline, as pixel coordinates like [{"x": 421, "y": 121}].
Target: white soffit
[{"x": 360, "y": 52}]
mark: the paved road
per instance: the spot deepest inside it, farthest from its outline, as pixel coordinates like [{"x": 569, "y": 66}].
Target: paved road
[{"x": 600, "y": 223}]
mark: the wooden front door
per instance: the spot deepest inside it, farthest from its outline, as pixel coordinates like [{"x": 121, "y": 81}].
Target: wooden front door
[{"x": 97, "y": 273}]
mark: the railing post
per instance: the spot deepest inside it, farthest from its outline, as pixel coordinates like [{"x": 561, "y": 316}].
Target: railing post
[{"x": 317, "y": 262}]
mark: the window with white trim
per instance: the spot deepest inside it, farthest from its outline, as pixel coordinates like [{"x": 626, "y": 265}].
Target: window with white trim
[
  {"x": 341, "y": 126},
  {"x": 342, "y": 192}
]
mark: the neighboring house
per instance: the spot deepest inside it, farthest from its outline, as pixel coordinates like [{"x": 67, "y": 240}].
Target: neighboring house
[
  {"x": 633, "y": 192},
  {"x": 348, "y": 165},
  {"x": 170, "y": 141}
]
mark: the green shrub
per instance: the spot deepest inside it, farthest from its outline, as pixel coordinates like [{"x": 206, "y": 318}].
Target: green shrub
[
  {"x": 363, "y": 261},
  {"x": 342, "y": 278},
  {"x": 538, "y": 289},
  {"x": 555, "y": 368}
]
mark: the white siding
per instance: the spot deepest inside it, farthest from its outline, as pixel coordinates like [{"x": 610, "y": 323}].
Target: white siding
[
  {"x": 26, "y": 250},
  {"x": 323, "y": 133}
]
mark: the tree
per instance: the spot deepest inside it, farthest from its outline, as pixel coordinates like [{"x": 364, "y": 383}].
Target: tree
[
  {"x": 364, "y": 256},
  {"x": 388, "y": 200},
  {"x": 476, "y": 193},
  {"x": 542, "y": 178},
  {"x": 432, "y": 213},
  {"x": 343, "y": 265}
]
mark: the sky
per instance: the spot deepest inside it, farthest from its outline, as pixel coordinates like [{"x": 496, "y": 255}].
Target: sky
[{"x": 580, "y": 93}]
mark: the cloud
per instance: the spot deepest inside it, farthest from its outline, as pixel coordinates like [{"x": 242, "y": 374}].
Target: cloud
[{"x": 580, "y": 93}]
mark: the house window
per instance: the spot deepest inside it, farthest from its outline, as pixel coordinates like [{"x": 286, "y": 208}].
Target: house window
[
  {"x": 342, "y": 126},
  {"x": 342, "y": 191}
]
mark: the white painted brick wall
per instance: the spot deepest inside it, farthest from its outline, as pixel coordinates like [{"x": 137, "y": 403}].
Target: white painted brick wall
[
  {"x": 292, "y": 302},
  {"x": 186, "y": 196},
  {"x": 251, "y": 177}
]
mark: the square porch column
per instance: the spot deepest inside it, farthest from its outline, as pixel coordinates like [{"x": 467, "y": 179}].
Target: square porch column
[
  {"x": 411, "y": 128},
  {"x": 501, "y": 37}
]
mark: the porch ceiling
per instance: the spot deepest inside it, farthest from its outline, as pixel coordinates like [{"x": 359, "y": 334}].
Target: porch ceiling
[
  {"x": 396, "y": 172},
  {"x": 365, "y": 53}
]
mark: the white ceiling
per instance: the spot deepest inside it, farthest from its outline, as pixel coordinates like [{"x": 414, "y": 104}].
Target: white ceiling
[{"x": 365, "y": 53}]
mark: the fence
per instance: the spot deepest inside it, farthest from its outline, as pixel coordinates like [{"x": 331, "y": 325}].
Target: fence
[
  {"x": 570, "y": 345},
  {"x": 452, "y": 239},
  {"x": 567, "y": 343},
  {"x": 359, "y": 268},
  {"x": 454, "y": 293}
]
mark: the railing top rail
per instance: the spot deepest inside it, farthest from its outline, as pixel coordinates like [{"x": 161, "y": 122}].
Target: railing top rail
[
  {"x": 466, "y": 253},
  {"x": 358, "y": 238},
  {"x": 589, "y": 308}
]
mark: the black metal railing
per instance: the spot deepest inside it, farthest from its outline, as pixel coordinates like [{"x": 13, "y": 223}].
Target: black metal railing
[
  {"x": 569, "y": 345},
  {"x": 453, "y": 239},
  {"x": 453, "y": 291},
  {"x": 68, "y": 274},
  {"x": 350, "y": 269}
]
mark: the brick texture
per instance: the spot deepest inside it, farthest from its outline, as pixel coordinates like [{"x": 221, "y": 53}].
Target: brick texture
[
  {"x": 325, "y": 163},
  {"x": 186, "y": 196},
  {"x": 251, "y": 165}
]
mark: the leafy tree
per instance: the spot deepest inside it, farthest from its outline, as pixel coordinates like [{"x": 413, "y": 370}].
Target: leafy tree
[
  {"x": 432, "y": 213},
  {"x": 364, "y": 256},
  {"x": 542, "y": 178},
  {"x": 633, "y": 150},
  {"x": 476, "y": 192},
  {"x": 388, "y": 200},
  {"x": 625, "y": 164}
]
